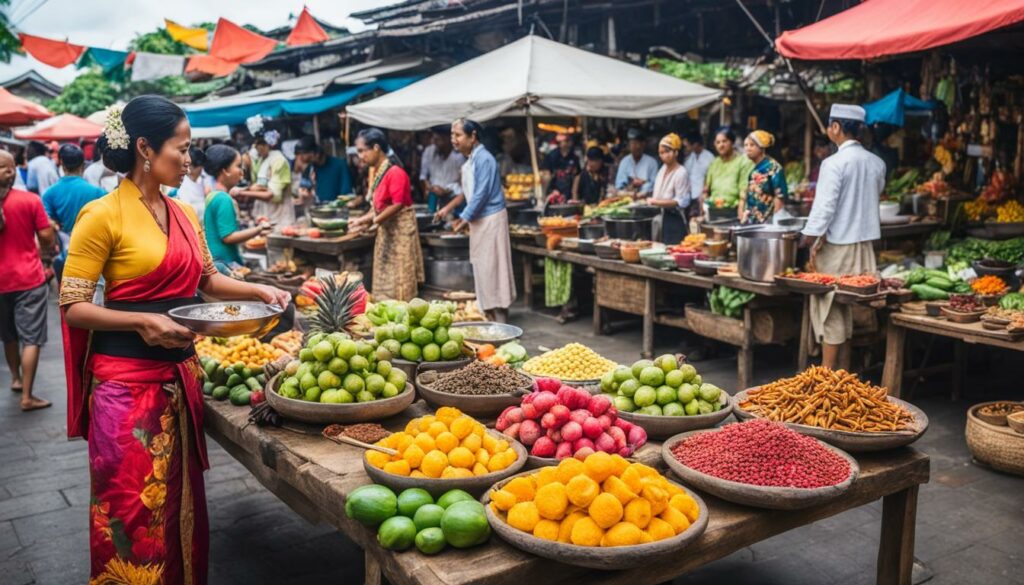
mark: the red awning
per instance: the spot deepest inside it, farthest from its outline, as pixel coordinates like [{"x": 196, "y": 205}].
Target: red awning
[
  {"x": 54, "y": 53},
  {"x": 876, "y": 28},
  {"x": 307, "y": 31},
  {"x": 62, "y": 127},
  {"x": 238, "y": 45},
  {"x": 16, "y": 111}
]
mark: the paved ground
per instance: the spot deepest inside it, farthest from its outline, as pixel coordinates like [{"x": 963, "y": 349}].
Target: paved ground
[{"x": 969, "y": 519}]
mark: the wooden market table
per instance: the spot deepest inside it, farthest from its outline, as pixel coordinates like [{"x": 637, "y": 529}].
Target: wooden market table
[
  {"x": 972, "y": 333},
  {"x": 632, "y": 289},
  {"x": 313, "y": 476},
  {"x": 350, "y": 247}
]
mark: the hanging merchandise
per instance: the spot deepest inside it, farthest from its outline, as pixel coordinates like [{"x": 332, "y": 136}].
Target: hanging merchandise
[
  {"x": 149, "y": 66},
  {"x": 236, "y": 44},
  {"x": 307, "y": 31},
  {"x": 54, "y": 53},
  {"x": 197, "y": 38},
  {"x": 215, "y": 66}
]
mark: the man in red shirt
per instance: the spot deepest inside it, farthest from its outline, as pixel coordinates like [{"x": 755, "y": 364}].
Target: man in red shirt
[{"x": 23, "y": 291}]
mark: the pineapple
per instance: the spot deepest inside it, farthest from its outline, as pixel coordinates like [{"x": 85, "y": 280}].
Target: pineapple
[{"x": 337, "y": 306}]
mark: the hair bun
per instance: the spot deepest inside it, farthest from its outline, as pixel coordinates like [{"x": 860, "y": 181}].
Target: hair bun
[{"x": 120, "y": 160}]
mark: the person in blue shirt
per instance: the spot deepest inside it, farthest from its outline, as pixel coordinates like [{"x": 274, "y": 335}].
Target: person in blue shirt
[
  {"x": 329, "y": 175},
  {"x": 490, "y": 249},
  {"x": 637, "y": 170},
  {"x": 66, "y": 198}
]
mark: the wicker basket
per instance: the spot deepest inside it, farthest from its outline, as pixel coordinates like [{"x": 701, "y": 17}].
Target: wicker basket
[
  {"x": 997, "y": 446},
  {"x": 1016, "y": 422}
]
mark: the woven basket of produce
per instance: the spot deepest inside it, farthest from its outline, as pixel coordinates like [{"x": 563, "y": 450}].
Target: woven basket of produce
[{"x": 995, "y": 445}]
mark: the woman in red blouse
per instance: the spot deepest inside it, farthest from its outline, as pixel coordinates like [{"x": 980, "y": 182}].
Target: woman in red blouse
[{"x": 397, "y": 257}]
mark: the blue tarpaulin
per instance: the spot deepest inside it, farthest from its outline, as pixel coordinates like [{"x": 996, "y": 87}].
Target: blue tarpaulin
[
  {"x": 271, "y": 107},
  {"x": 892, "y": 108}
]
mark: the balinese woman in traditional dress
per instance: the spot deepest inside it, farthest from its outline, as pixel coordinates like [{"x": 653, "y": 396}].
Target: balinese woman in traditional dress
[
  {"x": 490, "y": 249},
  {"x": 766, "y": 186},
  {"x": 397, "y": 256},
  {"x": 133, "y": 378}
]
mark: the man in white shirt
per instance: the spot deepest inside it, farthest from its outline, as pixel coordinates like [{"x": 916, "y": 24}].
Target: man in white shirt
[
  {"x": 843, "y": 223},
  {"x": 697, "y": 162},
  {"x": 637, "y": 170},
  {"x": 441, "y": 169},
  {"x": 42, "y": 171}
]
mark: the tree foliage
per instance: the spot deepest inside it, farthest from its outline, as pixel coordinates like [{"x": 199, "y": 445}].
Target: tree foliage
[
  {"x": 9, "y": 43},
  {"x": 87, "y": 93},
  {"x": 159, "y": 41}
]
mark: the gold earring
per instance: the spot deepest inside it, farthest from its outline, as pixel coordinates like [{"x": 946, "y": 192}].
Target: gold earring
[{"x": 145, "y": 167}]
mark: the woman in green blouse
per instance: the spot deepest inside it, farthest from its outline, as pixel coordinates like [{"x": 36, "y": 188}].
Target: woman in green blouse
[
  {"x": 726, "y": 179},
  {"x": 221, "y": 215}
]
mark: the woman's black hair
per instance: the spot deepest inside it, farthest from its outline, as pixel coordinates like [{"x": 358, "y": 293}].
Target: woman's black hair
[
  {"x": 374, "y": 137},
  {"x": 470, "y": 127},
  {"x": 694, "y": 138},
  {"x": 727, "y": 131},
  {"x": 152, "y": 117},
  {"x": 198, "y": 157},
  {"x": 218, "y": 158},
  {"x": 595, "y": 153}
]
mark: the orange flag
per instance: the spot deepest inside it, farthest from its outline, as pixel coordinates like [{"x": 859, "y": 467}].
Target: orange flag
[
  {"x": 215, "y": 66},
  {"x": 238, "y": 45},
  {"x": 307, "y": 31},
  {"x": 54, "y": 53}
]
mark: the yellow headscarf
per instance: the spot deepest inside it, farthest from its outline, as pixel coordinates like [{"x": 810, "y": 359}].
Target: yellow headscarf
[
  {"x": 672, "y": 141},
  {"x": 762, "y": 138}
]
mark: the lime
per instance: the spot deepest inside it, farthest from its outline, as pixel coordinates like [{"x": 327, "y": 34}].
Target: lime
[
  {"x": 651, "y": 410},
  {"x": 323, "y": 351},
  {"x": 418, "y": 308},
  {"x": 638, "y": 366},
  {"x": 428, "y": 516},
  {"x": 365, "y": 396},
  {"x": 363, "y": 348},
  {"x": 692, "y": 407},
  {"x": 338, "y": 366},
  {"x": 371, "y": 504},
  {"x": 346, "y": 349},
  {"x": 286, "y": 391},
  {"x": 353, "y": 383},
  {"x": 673, "y": 409},
  {"x": 710, "y": 392},
  {"x": 451, "y": 496},
  {"x": 400, "y": 332},
  {"x": 430, "y": 320},
  {"x": 382, "y": 354},
  {"x": 645, "y": 396},
  {"x": 358, "y": 363},
  {"x": 336, "y": 337},
  {"x": 395, "y": 347},
  {"x": 381, "y": 333},
  {"x": 306, "y": 355},
  {"x": 375, "y": 384},
  {"x": 621, "y": 374},
  {"x": 697, "y": 381},
  {"x": 313, "y": 394},
  {"x": 666, "y": 362},
  {"x": 674, "y": 378},
  {"x": 624, "y": 403},
  {"x": 444, "y": 319},
  {"x": 431, "y": 352},
  {"x": 465, "y": 524},
  {"x": 652, "y": 376},
  {"x": 397, "y": 377},
  {"x": 317, "y": 368},
  {"x": 688, "y": 372},
  {"x": 430, "y": 541},
  {"x": 665, "y": 394},
  {"x": 411, "y": 499},
  {"x": 687, "y": 392},
  {"x": 629, "y": 387},
  {"x": 396, "y": 533},
  {"x": 451, "y": 350},
  {"x": 389, "y": 391},
  {"x": 304, "y": 368},
  {"x": 332, "y": 396},
  {"x": 307, "y": 381},
  {"x": 384, "y": 367},
  {"x": 315, "y": 339},
  {"x": 441, "y": 335},
  {"x": 607, "y": 382},
  {"x": 421, "y": 336},
  {"x": 457, "y": 336},
  {"x": 411, "y": 352},
  {"x": 327, "y": 380},
  {"x": 344, "y": 396}
]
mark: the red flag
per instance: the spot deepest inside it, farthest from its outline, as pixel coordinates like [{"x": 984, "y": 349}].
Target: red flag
[
  {"x": 215, "y": 66},
  {"x": 238, "y": 45},
  {"x": 54, "y": 53},
  {"x": 307, "y": 31}
]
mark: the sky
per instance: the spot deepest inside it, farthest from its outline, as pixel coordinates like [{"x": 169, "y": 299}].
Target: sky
[{"x": 111, "y": 24}]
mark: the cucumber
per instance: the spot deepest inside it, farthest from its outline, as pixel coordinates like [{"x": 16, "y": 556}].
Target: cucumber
[
  {"x": 252, "y": 383},
  {"x": 233, "y": 380},
  {"x": 220, "y": 392},
  {"x": 246, "y": 373},
  {"x": 208, "y": 388},
  {"x": 929, "y": 293},
  {"x": 220, "y": 376},
  {"x": 939, "y": 282},
  {"x": 210, "y": 368},
  {"x": 240, "y": 396}
]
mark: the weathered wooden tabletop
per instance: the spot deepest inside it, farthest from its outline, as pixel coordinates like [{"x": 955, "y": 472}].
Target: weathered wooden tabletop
[{"x": 313, "y": 476}]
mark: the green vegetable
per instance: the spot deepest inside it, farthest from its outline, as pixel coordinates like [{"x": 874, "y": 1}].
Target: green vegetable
[
  {"x": 728, "y": 301},
  {"x": 233, "y": 380},
  {"x": 1012, "y": 301},
  {"x": 557, "y": 282},
  {"x": 929, "y": 293},
  {"x": 371, "y": 504},
  {"x": 961, "y": 287},
  {"x": 939, "y": 282},
  {"x": 220, "y": 392},
  {"x": 240, "y": 395},
  {"x": 916, "y": 276}
]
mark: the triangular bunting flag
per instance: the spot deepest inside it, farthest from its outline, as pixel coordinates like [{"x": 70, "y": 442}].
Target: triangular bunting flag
[
  {"x": 197, "y": 38},
  {"x": 307, "y": 31},
  {"x": 209, "y": 64},
  {"x": 54, "y": 53},
  {"x": 238, "y": 45}
]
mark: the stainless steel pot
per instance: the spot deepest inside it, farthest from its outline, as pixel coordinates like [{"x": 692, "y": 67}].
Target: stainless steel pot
[
  {"x": 630, "y": 229},
  {"x": 592, "y": 231},
  {"x": 766, "y": 251}
]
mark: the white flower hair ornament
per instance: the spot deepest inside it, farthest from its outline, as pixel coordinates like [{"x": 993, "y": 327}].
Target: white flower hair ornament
[
  {"x": 116, "y": 135},
  {"x": 254, "y": 124}
]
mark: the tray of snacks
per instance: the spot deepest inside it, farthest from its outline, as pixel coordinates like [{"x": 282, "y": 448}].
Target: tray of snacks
[
  {"x": 861, "y": 284},
  {"x": 811, "y": 283}
]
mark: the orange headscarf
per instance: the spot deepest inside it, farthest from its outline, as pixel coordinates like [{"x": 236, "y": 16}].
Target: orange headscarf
[
  {"x": 762, "y": 138},
  {"x": 672, "y": 141}
]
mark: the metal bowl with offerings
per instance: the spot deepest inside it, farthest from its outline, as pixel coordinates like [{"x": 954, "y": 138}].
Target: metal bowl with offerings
[{"x": 228, "y": 319}]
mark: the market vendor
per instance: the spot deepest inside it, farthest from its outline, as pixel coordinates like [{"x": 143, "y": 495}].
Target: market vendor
[
  {"x": 671, "y": 192},
  {"x": 441, "y": 169},
  {"x": 272, "y": 189},
  {"x": 766, "y": 185},
  {"x": 134, "y": 389},
  {"x": 329, "y": 175},
  {"x": 843, "y": 223},
  {"x": 727, "y": 177},
  {"x": 397, "y": 256},
  {"x": 591, "y": 185},
  {"x": 560, "y": 167},
  {"x": 223, "y": 234},
  {"x": 637, "y": 169},
  {"x": 490, "y": 248}
]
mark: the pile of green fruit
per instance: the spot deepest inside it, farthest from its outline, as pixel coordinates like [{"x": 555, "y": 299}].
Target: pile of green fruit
[
  {"x": 661, "y": 387},
  {"x": 235, "y": 383},
  {"x": 419, "y": 331},
  {"x": 414, "y": 518},
  {"x": 334, "y": 369}
]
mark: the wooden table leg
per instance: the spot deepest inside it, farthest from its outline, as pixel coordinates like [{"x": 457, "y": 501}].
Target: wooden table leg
[
  {"x": 528, "y": 281},
  {"x": 804, "y": 351},
  {"x": 745, "y": 356},
  {"x": 892, "y": 373},
  {"x": 959, "y": 362},
  {"x": 896, "y": 544},
  {"x": 372, "y": 574},
  {"x": 648, "y": 346}
]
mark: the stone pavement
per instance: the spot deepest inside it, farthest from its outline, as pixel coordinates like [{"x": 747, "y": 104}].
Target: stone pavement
[{"x": 968, "y": 531}]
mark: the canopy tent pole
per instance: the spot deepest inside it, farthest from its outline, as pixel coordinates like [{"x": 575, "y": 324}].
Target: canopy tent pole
[
  {"x": 531, "y": 141},
  {"x": 789, "y": 65},
  {"x": 316, "y": 128}
]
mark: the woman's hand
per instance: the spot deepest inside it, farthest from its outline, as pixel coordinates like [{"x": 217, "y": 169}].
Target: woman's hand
[
  {"x": 272, "y": 295},
  {"x": 440, "y": 214},
  {"x": 159, "y": 330}
]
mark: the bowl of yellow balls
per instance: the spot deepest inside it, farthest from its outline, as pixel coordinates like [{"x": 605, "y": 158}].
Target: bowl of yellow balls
[
  {"x": 444, "y": 451},
  {"x": 604, "y": 512},
  {"x": 574, "y": 364}
]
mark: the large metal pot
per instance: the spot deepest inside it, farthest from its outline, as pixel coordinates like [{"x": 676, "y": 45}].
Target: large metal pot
[
  {"x": 765, "y": 251},
  {"x": 630, "y": 229},
  {"x": 527, "y": 216},
  {"x": 592, "y": 231}
]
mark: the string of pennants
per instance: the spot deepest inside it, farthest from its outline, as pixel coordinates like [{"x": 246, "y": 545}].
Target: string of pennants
[{"x": 227, "y": 47}]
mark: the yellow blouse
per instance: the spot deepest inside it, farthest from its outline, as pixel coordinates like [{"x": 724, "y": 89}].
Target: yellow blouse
[{"x": 116, "y": 236}]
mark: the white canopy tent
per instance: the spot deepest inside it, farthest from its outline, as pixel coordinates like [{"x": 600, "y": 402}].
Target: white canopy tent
[{"x": 535, "y": 77}]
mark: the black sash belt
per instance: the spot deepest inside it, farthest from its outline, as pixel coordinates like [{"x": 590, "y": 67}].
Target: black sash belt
[{"x": 130, "y": 344}]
